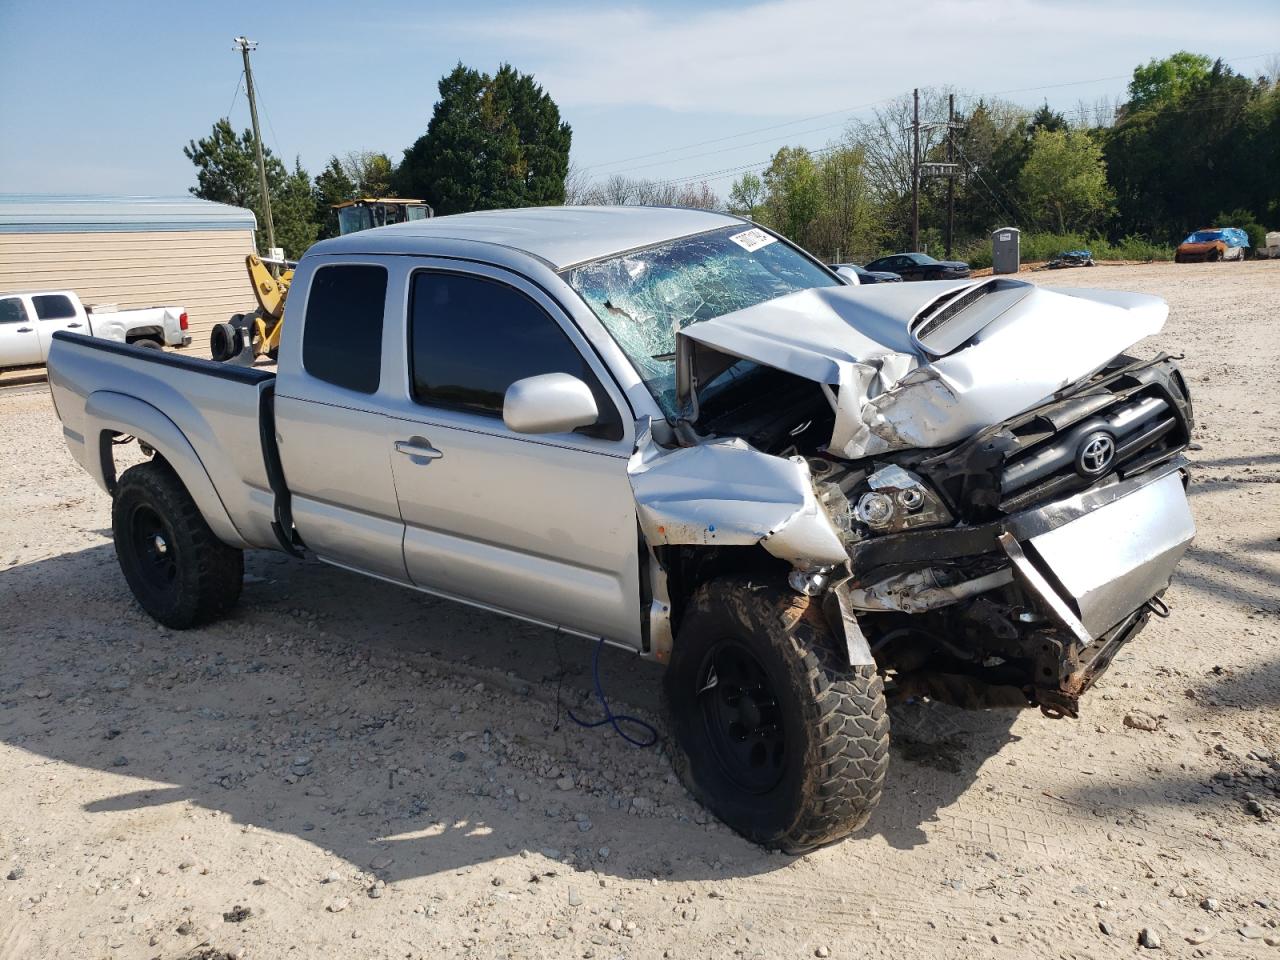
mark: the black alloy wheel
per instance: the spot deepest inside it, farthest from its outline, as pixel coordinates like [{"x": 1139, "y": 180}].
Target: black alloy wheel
[
  {"x": 743, "y": 720},
  {"x": 153, "y": 544}
]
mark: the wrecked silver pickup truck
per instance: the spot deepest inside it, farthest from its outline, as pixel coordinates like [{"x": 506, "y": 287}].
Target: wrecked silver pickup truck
[{"x": 674, "y": 431}]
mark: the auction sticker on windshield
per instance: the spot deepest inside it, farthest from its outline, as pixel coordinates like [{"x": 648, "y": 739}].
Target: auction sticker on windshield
[{"x": 752, "y": 240}]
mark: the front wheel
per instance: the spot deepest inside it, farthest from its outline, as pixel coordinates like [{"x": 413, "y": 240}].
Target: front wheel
[
  {"x": 775, "y": 734},
  {"x": 181, "y": 573}
]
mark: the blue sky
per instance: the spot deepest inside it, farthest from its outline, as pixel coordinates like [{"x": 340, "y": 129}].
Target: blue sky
[{"x": 100, "y": 97}]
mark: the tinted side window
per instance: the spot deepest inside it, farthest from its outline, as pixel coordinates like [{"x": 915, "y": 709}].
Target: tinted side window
[
  {"x": 342, "y": 336},
  {"x": 53, "y": 306},
  {"x": 471, "y": 338},
  {"x": 12, "y": 310}
]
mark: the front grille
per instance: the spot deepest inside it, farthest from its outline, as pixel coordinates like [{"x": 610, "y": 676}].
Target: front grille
[
  {"x": 1137, "y": 414},
  {"x": 1126, "y": 431}
]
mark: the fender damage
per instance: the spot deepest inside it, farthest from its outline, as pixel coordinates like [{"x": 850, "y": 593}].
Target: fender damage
[{"x": 894, "y": 381}]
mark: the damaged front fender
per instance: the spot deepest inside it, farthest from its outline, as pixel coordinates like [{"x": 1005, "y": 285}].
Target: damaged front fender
[{"x": 726, "y": 493}]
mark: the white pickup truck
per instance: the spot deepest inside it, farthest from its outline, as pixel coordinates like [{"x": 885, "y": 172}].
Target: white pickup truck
[
  {"x": 673, "y": 431},
  {"x": 28, "y": 322}
]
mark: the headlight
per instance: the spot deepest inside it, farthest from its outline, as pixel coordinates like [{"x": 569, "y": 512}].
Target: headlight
[
  {"x": 875, "y": 510},
  {"x": 899, "y": 500}
]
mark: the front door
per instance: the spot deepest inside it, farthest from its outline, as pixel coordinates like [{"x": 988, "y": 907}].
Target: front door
[
  {"x": 19, "y": 342},
  {"x": 541, "y": 526}
]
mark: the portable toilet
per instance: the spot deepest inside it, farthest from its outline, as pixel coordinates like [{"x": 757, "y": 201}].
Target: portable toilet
[{"x": 1006, "y": 252}]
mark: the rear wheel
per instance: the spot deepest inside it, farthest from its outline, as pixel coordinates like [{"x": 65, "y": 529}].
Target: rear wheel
[
  {"x": 181, "y": 573},
  {"x": 781, "y": 739},
  {"x": 148, "y": 344}
]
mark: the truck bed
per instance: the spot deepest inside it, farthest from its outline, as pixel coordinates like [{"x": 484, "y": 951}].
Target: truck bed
[{"x": 211, "y": 422}]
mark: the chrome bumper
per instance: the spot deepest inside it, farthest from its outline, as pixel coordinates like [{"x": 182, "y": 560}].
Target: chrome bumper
[{"x": 1097, "y": 568}]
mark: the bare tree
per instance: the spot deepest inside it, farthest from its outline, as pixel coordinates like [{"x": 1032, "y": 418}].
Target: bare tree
[
  {"x": 370, "y": 171},
  {"x": 620, "y": 190},
  {"x": 1271, "y": 70},
  {"x": 577, "y": 186},
  {"x": 886, "y": 140}
]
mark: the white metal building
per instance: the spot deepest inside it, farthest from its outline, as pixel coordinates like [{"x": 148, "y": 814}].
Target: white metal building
[{"x": 131, "y": 251}]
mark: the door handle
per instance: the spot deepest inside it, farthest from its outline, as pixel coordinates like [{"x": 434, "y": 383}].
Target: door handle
[
  {"x": 418, "y": 449},
  {"x": 74, "y": 326},
  {"x": 23, "y": 330}
]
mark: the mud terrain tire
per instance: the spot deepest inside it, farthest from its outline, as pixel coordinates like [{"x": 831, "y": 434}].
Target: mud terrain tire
[
  {"x": 774, "y": 732},
  {"x": 181, "y": 573}
]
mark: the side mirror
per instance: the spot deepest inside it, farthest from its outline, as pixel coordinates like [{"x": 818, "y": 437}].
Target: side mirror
[
  {"x": 849, "y": 276},
  {"x": 548, "y": 403}
]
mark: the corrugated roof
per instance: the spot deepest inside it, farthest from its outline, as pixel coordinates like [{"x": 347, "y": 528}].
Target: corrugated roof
[{"x": 53, "y": 213}]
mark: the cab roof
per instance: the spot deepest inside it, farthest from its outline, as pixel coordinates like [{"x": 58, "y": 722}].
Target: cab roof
[{"x": 559, "y": 236}]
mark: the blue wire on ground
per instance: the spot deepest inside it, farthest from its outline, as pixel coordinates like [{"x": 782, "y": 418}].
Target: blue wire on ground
[{"x": 616, "y": 720}]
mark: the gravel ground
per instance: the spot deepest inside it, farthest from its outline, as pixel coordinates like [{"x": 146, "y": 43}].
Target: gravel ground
[{"x": 344, "y": 768}]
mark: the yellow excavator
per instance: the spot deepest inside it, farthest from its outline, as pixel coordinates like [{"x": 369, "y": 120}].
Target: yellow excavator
[{"x": 247, "y": 336}]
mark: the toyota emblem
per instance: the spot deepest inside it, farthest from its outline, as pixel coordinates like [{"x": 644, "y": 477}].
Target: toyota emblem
[{"x": 1095, "y": 455}]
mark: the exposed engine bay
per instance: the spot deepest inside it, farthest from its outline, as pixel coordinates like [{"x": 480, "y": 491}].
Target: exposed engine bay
[{"x": 971, "y": 559}]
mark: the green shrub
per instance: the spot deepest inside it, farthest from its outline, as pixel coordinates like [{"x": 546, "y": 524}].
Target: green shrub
[{"x": 1040, "y": 247}]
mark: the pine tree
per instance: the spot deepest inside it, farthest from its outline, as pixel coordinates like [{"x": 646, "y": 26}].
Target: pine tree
[{"x": 492, "y": 142}]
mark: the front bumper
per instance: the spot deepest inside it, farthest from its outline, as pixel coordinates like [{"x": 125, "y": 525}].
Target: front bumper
[
  {"x": 1097, "y": 569},
  {"x": 872, "y": 560},
  {"x": 1094, "y": 565}
]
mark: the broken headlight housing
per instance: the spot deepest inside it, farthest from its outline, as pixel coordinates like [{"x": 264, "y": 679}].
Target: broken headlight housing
[{"x": 899, "y": 500}]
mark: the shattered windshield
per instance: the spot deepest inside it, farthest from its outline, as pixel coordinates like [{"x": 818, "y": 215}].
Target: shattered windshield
[{"x": 645, "y": 297}]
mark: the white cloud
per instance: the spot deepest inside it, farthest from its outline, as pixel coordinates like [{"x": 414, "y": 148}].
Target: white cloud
[{"x": 808, "y": 56}]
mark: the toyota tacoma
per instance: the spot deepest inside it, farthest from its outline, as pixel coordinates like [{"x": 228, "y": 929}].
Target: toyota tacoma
[{"x": 674, "y": 431}]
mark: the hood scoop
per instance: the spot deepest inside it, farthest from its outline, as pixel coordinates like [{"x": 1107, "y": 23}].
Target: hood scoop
[{"x": 954, "y": 319}]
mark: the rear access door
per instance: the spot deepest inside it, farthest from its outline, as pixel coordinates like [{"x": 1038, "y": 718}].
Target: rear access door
[{"x": 332, "y": 432}]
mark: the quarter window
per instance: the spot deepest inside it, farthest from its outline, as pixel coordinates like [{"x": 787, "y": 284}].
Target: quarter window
[
  {"x": 470, "y": 338},
  {"x": 342, "y": 337},
  {"x": 54, "y": 306}
]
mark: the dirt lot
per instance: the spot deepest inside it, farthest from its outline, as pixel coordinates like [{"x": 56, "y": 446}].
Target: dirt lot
[{"x": 346, "y": 769}]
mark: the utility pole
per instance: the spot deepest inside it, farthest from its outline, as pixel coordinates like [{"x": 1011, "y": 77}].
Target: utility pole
[
  {"x": 951, "y": 180},
  {"x": 915, "y": 169},
  {"x": 245, "y": 45}
]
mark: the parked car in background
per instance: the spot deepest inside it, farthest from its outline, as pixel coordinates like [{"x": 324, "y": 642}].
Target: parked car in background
[
  {"x": 28, "y": 322},
  {"x": 868, "y": 276},
  {"x": 920, "y": 266},
  {"x": 1212, "y": 244}
]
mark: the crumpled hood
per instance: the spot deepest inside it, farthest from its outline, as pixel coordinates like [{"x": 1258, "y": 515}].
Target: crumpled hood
[{"x": 927, "y": 365}]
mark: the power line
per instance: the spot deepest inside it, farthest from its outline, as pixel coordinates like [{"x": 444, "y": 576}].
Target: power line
[
  {"x": 745, "y": 133},
  {"x": 1082, "y": 115},
  {"x": 720, "y": 174},
  {"x": 234, "y": 94}
]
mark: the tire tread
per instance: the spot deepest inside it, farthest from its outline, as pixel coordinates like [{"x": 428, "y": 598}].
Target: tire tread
[{"x": 218, "y": 568}]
